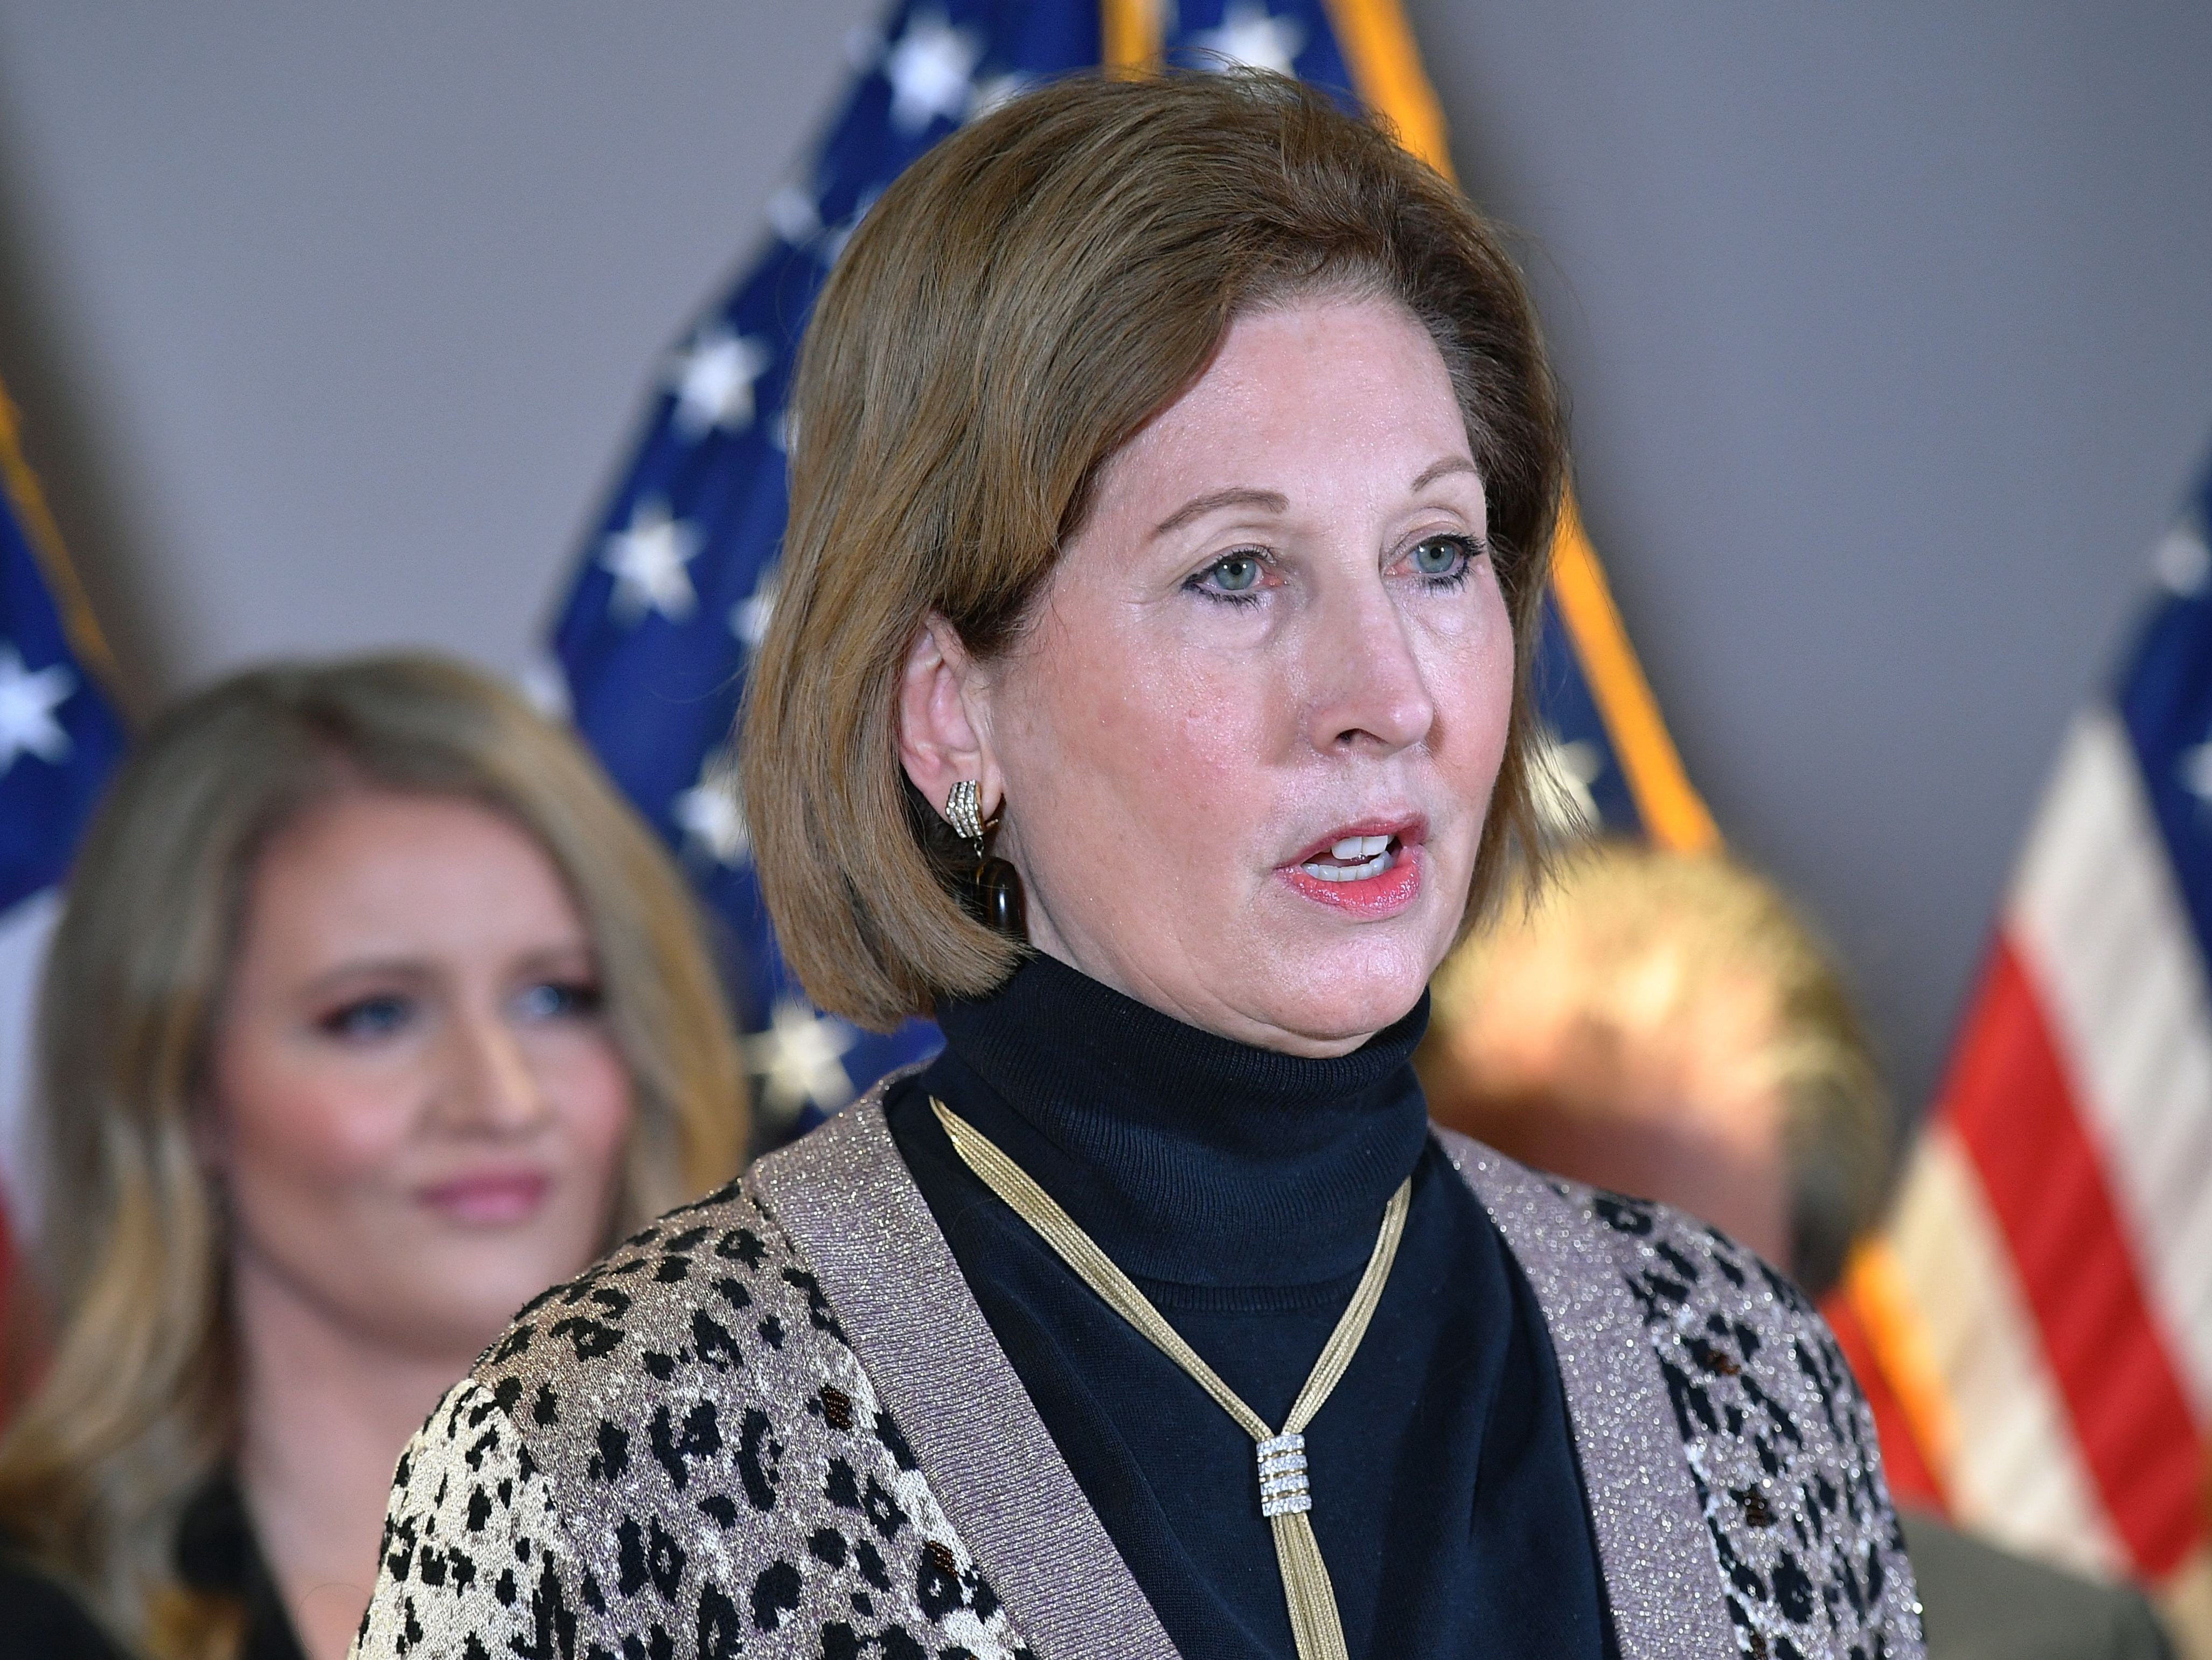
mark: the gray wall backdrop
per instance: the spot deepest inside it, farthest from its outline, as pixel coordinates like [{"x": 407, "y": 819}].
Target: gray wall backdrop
[{"x": 1888, "y": 330}]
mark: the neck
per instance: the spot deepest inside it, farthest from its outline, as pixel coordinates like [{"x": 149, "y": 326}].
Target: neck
[
  {"x": 325, "y": 1410},
  {"x": 1188, "y": 1156}
]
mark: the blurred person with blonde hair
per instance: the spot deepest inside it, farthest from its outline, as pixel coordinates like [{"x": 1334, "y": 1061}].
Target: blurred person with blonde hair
[
  {"x": 1666, "y": 1025},
  {"x": 372, "y": 1011},
  {"x": 1663, "y": 1025}
]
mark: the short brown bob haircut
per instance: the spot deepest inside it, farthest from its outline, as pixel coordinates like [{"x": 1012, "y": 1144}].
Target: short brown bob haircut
[{"x": 1019, "y": 304}]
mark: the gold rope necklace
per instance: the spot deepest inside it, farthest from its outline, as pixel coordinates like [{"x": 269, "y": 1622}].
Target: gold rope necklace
[{"x": 1285, "y": 1495}]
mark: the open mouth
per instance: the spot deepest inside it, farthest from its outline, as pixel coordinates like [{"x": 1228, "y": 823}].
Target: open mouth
[
  {"x": 1354, "y": 859},
  {"x": 1369, "y": 871}
]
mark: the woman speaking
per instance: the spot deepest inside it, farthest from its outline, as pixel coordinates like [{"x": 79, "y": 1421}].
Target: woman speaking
[{"x": 1147, "y": 700}]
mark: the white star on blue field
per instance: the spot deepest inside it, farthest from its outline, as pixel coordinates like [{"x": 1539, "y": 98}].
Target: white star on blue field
[{"x": 28, "y": 700}]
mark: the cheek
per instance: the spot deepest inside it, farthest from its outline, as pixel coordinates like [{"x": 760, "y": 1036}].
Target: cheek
[
  {"x": 1172, "y": 736},
  {"x": 1472, "y": 671},
  {"x": 316, "y": 1126},
  {"x": 589, "y": 1087}
]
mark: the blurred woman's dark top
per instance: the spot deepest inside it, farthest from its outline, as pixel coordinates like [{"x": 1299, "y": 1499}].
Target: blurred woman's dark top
[{"x": 218, "y": 1555}]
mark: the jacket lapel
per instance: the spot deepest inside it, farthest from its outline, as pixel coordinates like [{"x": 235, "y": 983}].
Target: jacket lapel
[
  {"x": 844, "y": 1196},
  {"x": 1661, "y": 1575}
]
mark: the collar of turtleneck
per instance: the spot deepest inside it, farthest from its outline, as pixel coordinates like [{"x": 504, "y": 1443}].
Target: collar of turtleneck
[{"x": 1191, "y": 1159}]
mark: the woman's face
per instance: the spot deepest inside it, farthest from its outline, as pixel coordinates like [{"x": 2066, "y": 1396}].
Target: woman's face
[
  {"x": 417, "y": 1110},
  {"x": 1247, "y": 748}
]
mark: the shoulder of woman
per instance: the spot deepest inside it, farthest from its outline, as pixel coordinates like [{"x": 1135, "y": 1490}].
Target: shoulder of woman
[
  {"x": 679, "y": 1440},
  {"x": 1714, "y": 1311},
  {"x": 1778, "y": 1441},
  {"x": 1685, "y": 1276},
  {"x": 1673, "y": 1261}
]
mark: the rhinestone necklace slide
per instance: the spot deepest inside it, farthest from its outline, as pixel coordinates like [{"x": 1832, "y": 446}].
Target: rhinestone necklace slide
[{"x": 1285, "y": 1495}]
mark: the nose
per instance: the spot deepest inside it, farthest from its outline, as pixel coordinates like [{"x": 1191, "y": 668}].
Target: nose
[
  {"x": 490, "y": 1087},
  {"x": 1368, "y": 691}
]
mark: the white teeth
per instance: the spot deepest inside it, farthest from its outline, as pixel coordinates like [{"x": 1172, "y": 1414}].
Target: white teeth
[
  {"x": 1358, "y": 857},
  {"x": 1360, "y": 872},
  {"x": 1359, "y": 846}
]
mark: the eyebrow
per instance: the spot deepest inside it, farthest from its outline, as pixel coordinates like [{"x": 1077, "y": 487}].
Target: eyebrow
[
  {"x": 1276, "y": 502},
  {"x": 364, "y": 967},
  {"x": 1199, "y": 505},
  {"x": 1445, "y": 468},
  {"x": 398, "y": 965}
]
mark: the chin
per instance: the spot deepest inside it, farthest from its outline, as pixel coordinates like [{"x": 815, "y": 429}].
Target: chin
[
  {"x": 1340, "y": 1004},
  {"x": 476, "y": 1319},
  {"x": 486, "y": 1288},
  {"x": 516, "y": 1283}
]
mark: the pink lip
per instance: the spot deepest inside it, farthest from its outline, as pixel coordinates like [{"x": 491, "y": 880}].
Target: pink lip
[
  {"x": 488, "y": 1198},
  {"x": 1379, "y": 896}
]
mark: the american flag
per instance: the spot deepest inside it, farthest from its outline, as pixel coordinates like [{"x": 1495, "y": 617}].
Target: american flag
[
  {"x": 2036, "y": 1326},
  {"x": 677, "y": 582},
  {"x": 59, "y": 740}
]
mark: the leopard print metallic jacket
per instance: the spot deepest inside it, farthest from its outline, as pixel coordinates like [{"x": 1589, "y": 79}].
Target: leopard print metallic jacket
[{"x": 776, "y": 1424}]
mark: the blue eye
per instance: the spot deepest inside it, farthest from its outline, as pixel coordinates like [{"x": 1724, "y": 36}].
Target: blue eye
[
  {"x": 369, "y": 1017},
  {"x": 558, "y": 999},
  {"x": 1443, "y": 556},
  {"x": 1236, "y": 574}
]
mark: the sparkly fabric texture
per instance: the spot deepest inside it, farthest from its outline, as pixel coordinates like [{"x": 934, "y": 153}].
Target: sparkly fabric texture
[
  {"x": 845, "y": 1199},
  {"x": 675, "y": 1454},
  {"x": 775, "y": 1424},
  {"x": 1709, "y": 1399}
]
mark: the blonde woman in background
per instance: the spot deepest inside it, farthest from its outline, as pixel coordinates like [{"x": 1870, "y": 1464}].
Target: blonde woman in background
[{"x": 373, "y": 1011}]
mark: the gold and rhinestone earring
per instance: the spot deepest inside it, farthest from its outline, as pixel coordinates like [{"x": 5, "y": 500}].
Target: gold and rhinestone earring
[
  {"x": 963, "y": 811},
  {"x": 997, "y": 886}
]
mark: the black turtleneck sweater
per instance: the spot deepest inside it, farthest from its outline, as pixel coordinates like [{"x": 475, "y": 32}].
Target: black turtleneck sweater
[{"x": 1242, "y": 1190}]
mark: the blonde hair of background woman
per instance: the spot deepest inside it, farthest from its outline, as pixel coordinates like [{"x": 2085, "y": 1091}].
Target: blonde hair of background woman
[{"x": 136, "y": 1410}]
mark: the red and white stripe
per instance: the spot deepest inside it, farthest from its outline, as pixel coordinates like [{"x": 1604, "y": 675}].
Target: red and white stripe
[{"x": 2054, "y": 1230}]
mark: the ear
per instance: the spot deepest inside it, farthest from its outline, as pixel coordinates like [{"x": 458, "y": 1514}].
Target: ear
[{"x": 944, "y": 719}]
